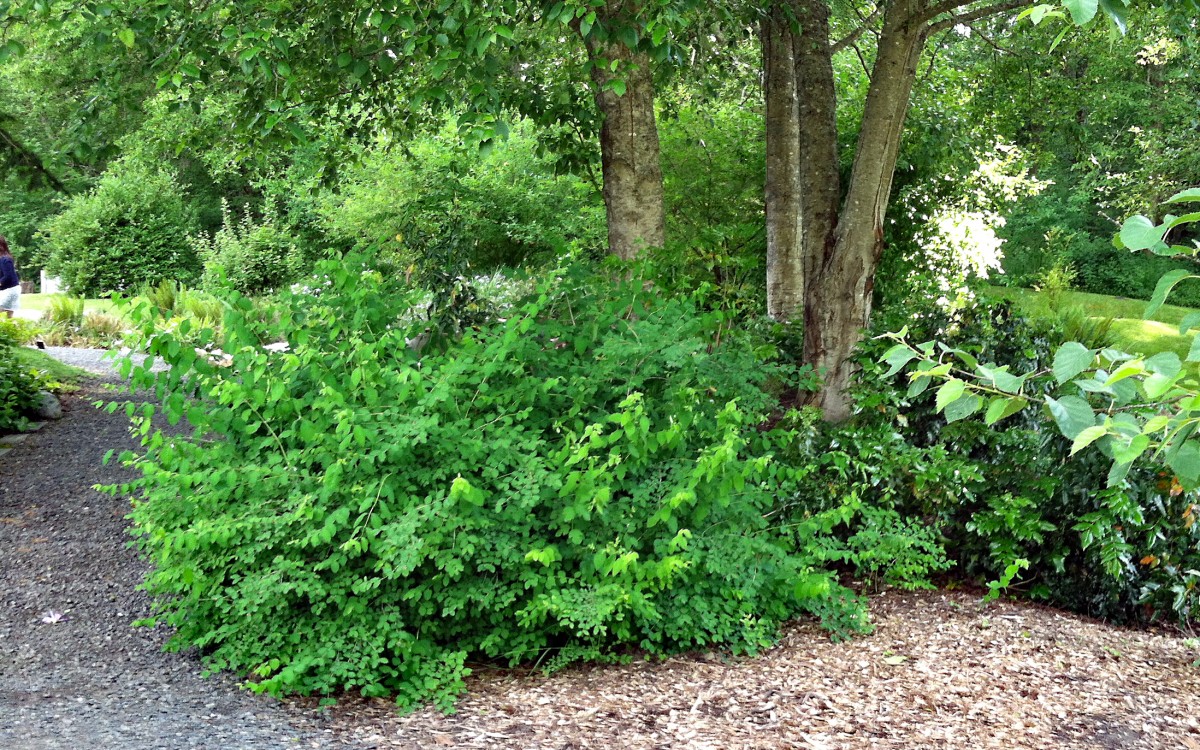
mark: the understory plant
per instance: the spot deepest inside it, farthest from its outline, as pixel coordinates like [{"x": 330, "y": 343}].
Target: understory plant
[
  {"x": 1129, "y": 421},
  {"x": 590, "y": 474},
  {"x": 18, "y": 384}
]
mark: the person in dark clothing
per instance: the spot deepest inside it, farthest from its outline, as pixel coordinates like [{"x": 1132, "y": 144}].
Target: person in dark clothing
[{"x": 10, "y": 282}]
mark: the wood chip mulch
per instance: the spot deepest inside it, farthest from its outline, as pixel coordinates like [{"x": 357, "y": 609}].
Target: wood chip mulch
[{"x": 941, "y": 670}]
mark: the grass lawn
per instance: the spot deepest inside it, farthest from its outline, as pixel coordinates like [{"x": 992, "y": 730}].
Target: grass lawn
[
  {"x": 1133, "y": 332},
  {"x": 65, "y": 374},
  {"x": 41, "y": 302}
]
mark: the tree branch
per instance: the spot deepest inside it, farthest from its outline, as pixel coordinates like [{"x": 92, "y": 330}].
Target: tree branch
[
  {"x": 972, "y": 15},
  {"x": 853, "y": 36}
]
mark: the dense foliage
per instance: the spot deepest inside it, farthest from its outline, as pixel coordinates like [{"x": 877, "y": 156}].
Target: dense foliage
[
  {"x": 585, "y": 476},
  {"x": 131, "y": 230},
  {"x": 18, "y": 385}
]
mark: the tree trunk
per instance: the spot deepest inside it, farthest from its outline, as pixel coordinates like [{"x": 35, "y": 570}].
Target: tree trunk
[
  {"x": 785, "y": 259},
  {"x": 629, "y": 150},
  {"x": 840, "y": 285}
]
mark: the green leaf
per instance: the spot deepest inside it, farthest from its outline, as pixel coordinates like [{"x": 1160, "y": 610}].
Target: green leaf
[
  {"x": 1164, "y": 287},
  {"x": 1194, "y": 352},
  {"x": 898, "y": 356},
  {"x": 1087, "y": 437},
  {"x": 1190, "y": 321},
  {"x": 951, "y": 391},
  {"x": 1117, "y": 473},
  {"x": 1166, "y": 364},
  {"x": 1072, "y": 414},
  {"x": 1071, "y": 359},
  {"x": 1139, "y": 233},
  {"x": 1082, "y": 11},
  {"x": 1186, "y": 464},
  {"x": 503, "y": 31},
  {"x": 1191, "y": 195},
  {"x": 618, "y": 87},
  {"x": 127, "y": 37},
  {"x": 1003, "y": 408},
  {"x": 1115, "y": 10},
  {"x": 963, "y": 407}
]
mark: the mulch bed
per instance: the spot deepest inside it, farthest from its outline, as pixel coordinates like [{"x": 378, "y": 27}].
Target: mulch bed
[{"x": 941, "y": 671}]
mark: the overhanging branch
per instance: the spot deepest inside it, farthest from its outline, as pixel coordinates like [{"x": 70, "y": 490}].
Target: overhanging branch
[
  {"x": 969, "y": 16},
  {"x": 853, "y": 36}
]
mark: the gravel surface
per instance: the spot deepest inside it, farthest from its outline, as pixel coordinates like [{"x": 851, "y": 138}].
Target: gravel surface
[
  {"x": 91, "y": 681},
  {"x": 97, "y": 361}
]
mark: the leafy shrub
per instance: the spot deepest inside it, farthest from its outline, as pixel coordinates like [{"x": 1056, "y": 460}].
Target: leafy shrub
[
  {"x": 132, "y": 229},
  {"x": 585, "y": 476},
  {"x": 253, "y": 256},
  {"x": 18, "y": 385},
  {"x": 65, "y": 310},
  {"x": 508, "y": 202},
  {"x": 102, "y": 329}
]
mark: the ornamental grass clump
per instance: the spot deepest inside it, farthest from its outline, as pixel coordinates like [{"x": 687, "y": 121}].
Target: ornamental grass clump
[{"x": 582, "y": 478}]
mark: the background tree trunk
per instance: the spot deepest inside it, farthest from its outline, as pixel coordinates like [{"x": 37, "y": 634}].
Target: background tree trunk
[
  {"x": 785, "y": 259},
  {"x": 629, "y": 150},
  {"x": 840, "y": 286}
]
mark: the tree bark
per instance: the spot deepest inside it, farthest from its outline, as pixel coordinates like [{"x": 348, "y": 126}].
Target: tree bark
[
  {"x": 841, "y": 278},
  {"x": 785, "y": 259},
  {"x": 629, "y": 150}
]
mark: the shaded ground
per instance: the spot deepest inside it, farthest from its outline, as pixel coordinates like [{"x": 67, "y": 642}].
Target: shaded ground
[{"x": 941, "y": 671}]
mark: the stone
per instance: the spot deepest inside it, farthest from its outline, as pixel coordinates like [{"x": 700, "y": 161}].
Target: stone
[{"x": 48, "y": 406}]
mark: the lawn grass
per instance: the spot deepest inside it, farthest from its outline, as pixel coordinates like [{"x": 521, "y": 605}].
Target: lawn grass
[
  {"x": 1132, "y": 332},
  {"x": 41, "y": 302},
  {"x": 37, "y": 360}
]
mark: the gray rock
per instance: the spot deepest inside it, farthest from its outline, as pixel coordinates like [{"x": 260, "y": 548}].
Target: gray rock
[{"x": 48, "y": 406}]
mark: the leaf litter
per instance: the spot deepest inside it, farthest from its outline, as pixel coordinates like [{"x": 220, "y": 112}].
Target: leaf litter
[{"x": 941, "y": 670}]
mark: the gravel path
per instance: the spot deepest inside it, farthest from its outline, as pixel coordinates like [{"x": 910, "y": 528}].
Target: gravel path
[
  {"x": 91, "y": 681},
  {"x": 97, "y": 361}
]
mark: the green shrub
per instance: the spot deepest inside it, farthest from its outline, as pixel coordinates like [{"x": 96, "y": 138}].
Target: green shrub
[
  {"x": 508, "y": 202},
  {"x": 18, "y": 385},
  {"x": 585, "y": 476},
  {"x": 131, "y": 230},
  {"x": 65, "y": 310},
  {"x": 253, "y": 256}
]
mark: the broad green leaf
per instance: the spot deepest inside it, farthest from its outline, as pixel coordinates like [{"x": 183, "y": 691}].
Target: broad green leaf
[
  {"x": 1164, "y": 287},
  {"x": 1002, "y": 408},
  {"x": 1082, "y": 11},
  {"x": 1116, "y": 12},
  {"x": 1071, "y": 359},
  {"x": 1191, "y": 195},
  {"x": 1165, "y": 363},
  {"x": 1156, "y": 385},
  {"x": 1194, "y": 352},
  {"x": 964, "y": 407},
  {"x": 1190, "y": 321},
  {"x": 1087, "y": 437},
  {"x": 1072, "y": 414},
  {"x": 1139, "y": 233},
  {"x": 1127, "y": 454},
  {"x": 1155, "y": 424},
  {"x": 951, "y": 391},
  {"x": 1117, "y": 473},
  {"x": 127, "y": 37},
  {"x": 1177, "y": 221},
  {"x": 898, "y": 356},
  {"x": 1127, "y": 370},
  {"x": 1186, "y": 464}
]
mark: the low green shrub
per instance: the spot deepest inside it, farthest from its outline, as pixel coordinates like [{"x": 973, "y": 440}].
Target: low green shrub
[
  {"x": 254, "y": 256},
  {"x": 65, "y": 311},
  {"x": 19, "y": 385},
  {"x": 590, "y": 474}
]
